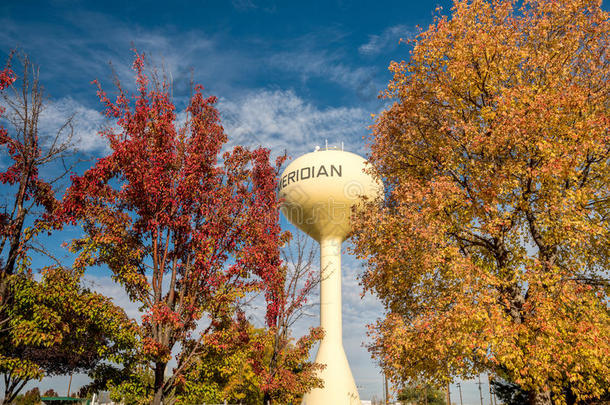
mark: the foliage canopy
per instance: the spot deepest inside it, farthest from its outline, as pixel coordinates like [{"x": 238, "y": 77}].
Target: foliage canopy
[
  {"x": 187, "y": 229},
  {"x": 492, "y": 248}
]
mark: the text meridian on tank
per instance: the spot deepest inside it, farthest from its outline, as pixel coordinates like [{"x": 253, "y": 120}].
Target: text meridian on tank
[{"x": 310, "y": 172}]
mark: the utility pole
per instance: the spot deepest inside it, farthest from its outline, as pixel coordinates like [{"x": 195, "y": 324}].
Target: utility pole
[
  {"x": 460, "y": 390},
  {"x": 387, "y": 396},
  {"x": 491, "y": 393},
  {"x": 69, "y": 385},
  {"x": 480, "y": 390},
  {"x": 449, "y": 394}
]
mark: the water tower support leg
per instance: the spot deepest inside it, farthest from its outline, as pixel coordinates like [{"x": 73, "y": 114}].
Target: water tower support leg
[
  {"x": 339, "y": 385},
  {"x": 330, "y": 290}
]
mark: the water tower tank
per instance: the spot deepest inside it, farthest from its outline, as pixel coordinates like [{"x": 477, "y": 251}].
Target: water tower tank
[{"x": 319, "y": 190}]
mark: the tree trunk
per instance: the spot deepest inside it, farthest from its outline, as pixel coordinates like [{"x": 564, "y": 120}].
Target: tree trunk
[
  {"x": 159, "y": 380},
  {"x": 15, "y": 242},
  {"x": 540, "y": 398},
  {"x": 12, "y": 387}
]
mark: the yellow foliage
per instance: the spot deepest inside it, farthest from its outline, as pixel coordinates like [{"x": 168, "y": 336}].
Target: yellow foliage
[{"x": 491, "y": 249}]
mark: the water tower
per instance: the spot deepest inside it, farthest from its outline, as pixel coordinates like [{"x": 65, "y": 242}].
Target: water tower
[{"x": 319, "y": 190}]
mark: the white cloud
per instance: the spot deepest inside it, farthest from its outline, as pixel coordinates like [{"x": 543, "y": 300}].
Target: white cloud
[
  {"x": 105, "y": 39},
  {"x": 86, "y": 122},
  {"x": 244, "y": 5},
  {"x": 389, "y": 38},
  {"x": 280, "y": 120},
  {"x": 109, "y": 288},
  {"x": 52, "y": 127},
  {"x": 309, "y": 64}
]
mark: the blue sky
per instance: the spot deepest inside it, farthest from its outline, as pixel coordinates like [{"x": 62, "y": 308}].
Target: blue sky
[{"x": 289, "y": 75}]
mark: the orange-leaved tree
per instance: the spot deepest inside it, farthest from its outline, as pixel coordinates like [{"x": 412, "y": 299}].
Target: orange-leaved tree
[{"x": 491, "y": 251}]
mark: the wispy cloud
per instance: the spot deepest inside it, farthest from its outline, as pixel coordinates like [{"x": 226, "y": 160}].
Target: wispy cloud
[
  {"x": 388, "y": 39},
  {"x": 104, "y": 39},
  {"x": 109, "y": 288},
  {"x": 243, "y": 5},
  {"x": 312, "y": 64},
  {"x": 86, "y": 123},
  {"x": 65, "y": 121},
  {"x": 249, "y": 5},
  {"x": 281, "y": 120},
  {"x": 224, "y": 70}
]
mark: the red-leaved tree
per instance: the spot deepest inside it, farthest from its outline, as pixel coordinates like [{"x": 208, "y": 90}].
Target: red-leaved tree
[
  {"x": 186, "y": 235},
  {"x": 281, "y": 362}
]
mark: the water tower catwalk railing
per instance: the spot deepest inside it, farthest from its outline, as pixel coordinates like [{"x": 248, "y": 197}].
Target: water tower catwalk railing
[{"x": 319, "y": 190}]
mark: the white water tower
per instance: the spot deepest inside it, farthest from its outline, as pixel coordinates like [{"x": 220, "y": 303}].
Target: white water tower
[{"x": 319, "y": 190}]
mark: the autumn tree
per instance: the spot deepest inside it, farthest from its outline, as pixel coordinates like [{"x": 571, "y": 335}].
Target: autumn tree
[
  {"x": 57, "y": 327},
  {"x": 222, "y": 370},
  {"x": 282, "y": 360},
  {"x": 187, "y": 235},
  {"x": 253, "y": 365},
  {"x": 27, "y": 154},
  {"x": 421, "y": 394},
  {"x": 51, "y": 325},
  {"x": 491, "y": 250},
  {"x": 50, "y": 393},
  {"x": 32, "y": 397},
  {"x": 29, "y": 197}
]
